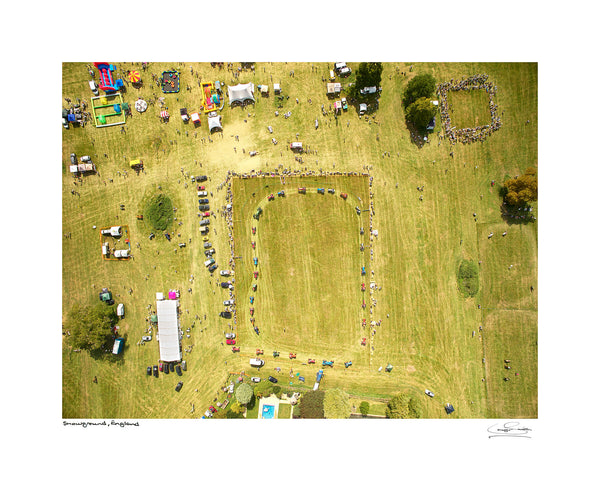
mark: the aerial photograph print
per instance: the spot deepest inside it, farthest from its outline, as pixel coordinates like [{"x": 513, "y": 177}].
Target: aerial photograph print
[{"x": 299, "y": 240}]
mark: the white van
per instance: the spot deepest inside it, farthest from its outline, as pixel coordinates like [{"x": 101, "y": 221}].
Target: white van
[
  {"x": 204, "y": 230},
  {"x": 93, "y": 87},
  {"x": 256, "y": 362}
]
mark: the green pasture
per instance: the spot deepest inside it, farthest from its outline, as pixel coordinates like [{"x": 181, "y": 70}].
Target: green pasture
[{"x": 306, "y": 243}]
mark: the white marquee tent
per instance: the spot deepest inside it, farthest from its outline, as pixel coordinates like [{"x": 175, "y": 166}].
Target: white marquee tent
[
  {"x": 239, "y": 94},
  {"x": 214, "y": 123},
  {"x": 168, "y": 330}
]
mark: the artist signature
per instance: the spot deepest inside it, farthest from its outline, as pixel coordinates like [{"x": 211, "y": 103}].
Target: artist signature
[{"x": 509, "y": 429}]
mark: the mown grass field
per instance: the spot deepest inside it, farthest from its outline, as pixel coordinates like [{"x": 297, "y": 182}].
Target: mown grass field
[{"x": 426, "y": 324}]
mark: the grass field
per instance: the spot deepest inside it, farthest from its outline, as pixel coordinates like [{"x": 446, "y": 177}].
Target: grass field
[{"x": 308, "y": 246}]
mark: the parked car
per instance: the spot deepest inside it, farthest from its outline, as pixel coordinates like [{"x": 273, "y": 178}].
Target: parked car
[
  {"x": 166, "y": 368},
  {"x": 179, "y": 386},
  {"x": 225, "y": 272},
  {"x": 178, "y": 370},
  {"x": 149, "y": 370},
  {"x": 212, "y": 409},
  {"x": 429, "y": 393},
  {"x": 202, "y": 193},
  {"x": 225, "y": 314},
  {"x": 209, "y": 262},
  {"x": 255, "y": 379},
  {"x": 230, "y": 335},
  {"x": 160, "y": 367},
  {"x": 208, "y": 244},
  {"x": 73, "y": 159},
  {"x": 93, "y": 87},
  {"x": 147, "y": 338},
  {"x": 226, "y": 284},
  {"x": 201, "y": 178},
  {"x": 230, "y": 341},
  {"x": 212, "y": 268},
  {"x": 172, "y": 366},
  {"x": 203, "y": 201},
  {"x": 184, "y": 365},
  {"x": 209, "y": 252},
  {"x": 204, "y": 222},
  {"x": 272, "y": 379},
  {"x": 235, "y": 349},
  {"x": 228, "y": 302},
  {"x": 204, "y": 207}
]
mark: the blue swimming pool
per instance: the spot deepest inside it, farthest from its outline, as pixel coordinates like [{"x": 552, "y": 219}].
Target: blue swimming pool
[{"x": 268, "y": 411}]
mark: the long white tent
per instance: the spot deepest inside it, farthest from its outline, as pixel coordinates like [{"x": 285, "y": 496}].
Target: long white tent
[{"x": 168, "y": 330}]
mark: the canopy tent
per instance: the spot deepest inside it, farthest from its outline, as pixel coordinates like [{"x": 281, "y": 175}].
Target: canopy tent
[
  {"x": 168, "y": 330},
  {"x": 239, "y": 94},
  {"x": 164, "y": 114},
  {"x": 214, "y": 123},
  {"x": 334, "y": 88},
  {"x": 141, "y": 105},
  {"x": 134, "y": 76}
]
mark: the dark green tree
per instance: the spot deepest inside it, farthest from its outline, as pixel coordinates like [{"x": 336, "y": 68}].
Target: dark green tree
[
  {"x": 364, "y": 408},
  {"x": 263, "y": 389},
  {"x": 336, "y": 404},
  {"x": 368, "y": 75},
  {"x": 523, "y": 189},
  {"x": 244, "y": 393},
  {"x": 91, "y": 326},
  {"x": 420, "y": 112},
  {"x": 403, "y": 405},
  {"x": 311, "y": 404},
  {"x": 420, "y": 86},
  {"x": 158, "y": 212},
  {"x": 468, "y": 278}
]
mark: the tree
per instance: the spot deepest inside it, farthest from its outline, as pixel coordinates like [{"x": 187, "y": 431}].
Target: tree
[
  {"x": 364, "y": 408},
  {"x": 420, "y": 86},
  {"x": 263, "y": 389},
  {"x": 368, "y": 75},
  {"x": 236, "y": 407},
  {"x": 311, "y": 405},
  {"x": 523, "y": 189},
  {"x": 336, "y": 404},
  {"x": 420, "y": 112},
  {"x": 244, "y": 393},
  {"x": 468, "y": 278},
  {"x": 403, "y": 405},
  {"x": 90, "y": 327}
]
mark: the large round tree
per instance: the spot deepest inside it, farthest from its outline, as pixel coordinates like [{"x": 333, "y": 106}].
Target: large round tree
[
  {"x": 403, "y": 406},
  {"x": 311, "y": 404},
  {"x": 244, "y": 393},
  {"x": 336, "y": 404},
  {"x": 90, "y": 327},
  {"x": 420, "y": 112},
  {"x": 420, "y": 86},
  {"x": 523, "y": 189}
]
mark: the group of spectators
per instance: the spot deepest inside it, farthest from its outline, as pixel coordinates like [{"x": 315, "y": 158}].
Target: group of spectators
[{"x": 469, "y": 134}]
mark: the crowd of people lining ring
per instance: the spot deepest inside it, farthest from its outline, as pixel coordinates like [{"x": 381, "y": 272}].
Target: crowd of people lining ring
[
  {"x": 227, "y": 212},
  {"x": 470, "y": 134}
]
